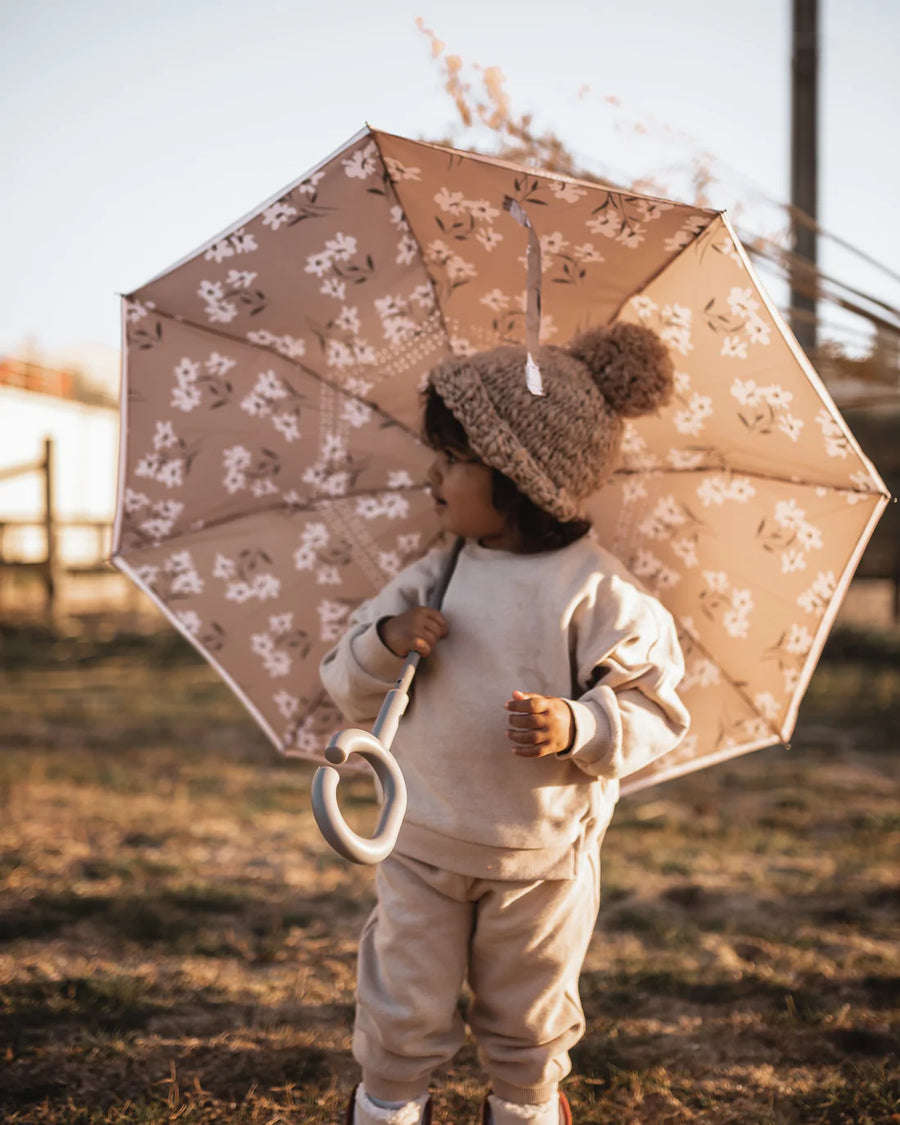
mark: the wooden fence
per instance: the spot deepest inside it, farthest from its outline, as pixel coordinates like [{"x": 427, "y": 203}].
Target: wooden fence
[{"x": 49, "y": 570}]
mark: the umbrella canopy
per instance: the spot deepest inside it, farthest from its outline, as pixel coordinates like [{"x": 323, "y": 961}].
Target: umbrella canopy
[{"x": 272, "y": 477}]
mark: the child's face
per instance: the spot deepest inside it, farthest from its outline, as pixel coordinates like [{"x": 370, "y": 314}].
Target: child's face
[{"x": 461, "y": 487}]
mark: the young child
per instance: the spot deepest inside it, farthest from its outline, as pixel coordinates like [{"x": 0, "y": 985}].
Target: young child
[{"x": 550, "y": 675}]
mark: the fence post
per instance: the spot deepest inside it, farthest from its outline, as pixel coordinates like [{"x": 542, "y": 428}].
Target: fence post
[{"x": 50, "y": 573}]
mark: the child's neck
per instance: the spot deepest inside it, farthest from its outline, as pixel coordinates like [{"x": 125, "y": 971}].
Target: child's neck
[{"x": 510, "y": 539}]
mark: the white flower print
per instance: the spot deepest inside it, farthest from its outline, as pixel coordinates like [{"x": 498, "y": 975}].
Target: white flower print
[
  {"x": 452, "y": 202},
  {"x": 243, "y": 242},
  {"x": 288, "y": 346},
  {"x": 566, "y": 193},
  {"x": 691, "y": 420},
  {"x": 183, "y": 576},
  {"x": 734, "y": 347},
  {"x": 190, "y": 621},
  {"x": 798, "y": 640},
  {"x": 459, "y": 270},
  {"x": 245, "y": 578},
  {"x": 643, "y": 306},
  {"x": 792, "y": 535},
  {"x": 481, "y": 210},
  {"x": 356, "y": 413},
  {"x": 652, "y": 571},
  {"x": 390, "y": 563},
  {"x": 496, "y": 300},
  {"x": 685, "y": 458},
  {"x": 423, "y": 295},
  {"x": 489, "y": 238},
  {"x": 587, "y": 254},
  {"x": 836, "y": 442},
  {"x": 650, "y": 209},
  {"x": 287, "y": 704},
  {"x": 790, "y": 426},
  {"x": 286, "y": 425},
  {"x": 767, "y": 705},
  {"x": 792, "y": 560},
  {"x": 731, "y": 605},
  {"x": 632, "y": 237},
  {"x": 716, "y": 489},
  {"x": 606, "y": 223},
  {"x": 686, "y": 550},
  {"x": 553, "y": 243},
  {"x": 688, "y": 231},
  {"x": 741, "y": 301},
  {"x": 407, "y": 249},
  {"x": 342, "y": 247},
  {"x": 348, "y": 319},
  {"x": 700, "y": 672},
  {"x": 318, "y": 263},
  {"x": 137, "y": 310},
  {"x": 398, "y": 171},
  {"x": 817, "y": 597},
  {"x": 308, "y": 187},
  {"x": 757, "y": 330},
  {"x": 332, "y": 287},
  {"x": 332, "y": 619},
  {"x": 362, "y": 164}
]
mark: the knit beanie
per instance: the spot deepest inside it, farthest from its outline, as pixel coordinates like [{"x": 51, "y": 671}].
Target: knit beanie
[{"x": 560, "y": 446}]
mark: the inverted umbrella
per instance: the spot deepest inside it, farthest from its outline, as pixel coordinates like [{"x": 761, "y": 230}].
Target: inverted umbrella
[{"x": 272, "y": 476}]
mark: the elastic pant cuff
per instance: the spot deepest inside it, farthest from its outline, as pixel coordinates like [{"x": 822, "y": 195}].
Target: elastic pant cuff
[
  {"x": 527, "y": 1095},
  {"x": 390, "y": 1091}
]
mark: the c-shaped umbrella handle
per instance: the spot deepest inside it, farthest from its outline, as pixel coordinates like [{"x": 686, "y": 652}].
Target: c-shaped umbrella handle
[
  {"x": 374, "y": 746},
  {"x": 328, "y": 815}
]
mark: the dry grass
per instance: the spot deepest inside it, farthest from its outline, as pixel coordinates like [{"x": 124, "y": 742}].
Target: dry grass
[{"x": 177, "y": 943}]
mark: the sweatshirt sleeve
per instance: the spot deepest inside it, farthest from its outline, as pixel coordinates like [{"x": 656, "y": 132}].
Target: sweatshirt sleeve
[
  {"x": 360, "y": 669},
  {"x": 629, "y": 663}
]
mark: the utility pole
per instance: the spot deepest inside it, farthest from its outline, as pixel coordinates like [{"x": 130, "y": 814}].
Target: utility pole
[{"x": 804, "y": 168}]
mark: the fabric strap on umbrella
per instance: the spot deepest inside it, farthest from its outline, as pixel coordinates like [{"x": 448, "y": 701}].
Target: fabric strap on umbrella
[{"x": 533, "y": 296}]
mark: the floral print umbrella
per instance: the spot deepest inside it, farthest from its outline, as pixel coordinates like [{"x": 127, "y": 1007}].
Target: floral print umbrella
[{"x": 272, "y": 477}]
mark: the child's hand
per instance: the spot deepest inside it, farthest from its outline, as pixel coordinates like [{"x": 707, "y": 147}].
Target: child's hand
[
  {"x": 539, "y": 725},
  {"x": 416, "y": 630}
]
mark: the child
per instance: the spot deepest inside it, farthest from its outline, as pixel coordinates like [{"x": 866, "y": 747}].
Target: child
[{"x": 550, "y": 675}]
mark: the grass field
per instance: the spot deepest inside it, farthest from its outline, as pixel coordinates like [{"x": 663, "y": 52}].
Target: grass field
[{"x": 177, "y": 943}]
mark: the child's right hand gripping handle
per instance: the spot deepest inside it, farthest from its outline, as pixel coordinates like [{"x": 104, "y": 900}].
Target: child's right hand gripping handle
[{"x": 374, "y": 747}]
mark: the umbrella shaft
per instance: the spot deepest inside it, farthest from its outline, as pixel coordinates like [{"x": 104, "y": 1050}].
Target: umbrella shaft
[{"x": 395, "y": 703}]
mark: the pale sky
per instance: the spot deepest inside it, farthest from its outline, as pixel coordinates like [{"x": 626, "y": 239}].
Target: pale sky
[{"x": 131, "y": 133}]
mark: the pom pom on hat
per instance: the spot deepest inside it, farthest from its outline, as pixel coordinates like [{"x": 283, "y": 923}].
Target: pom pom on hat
[
  {"x": 559, "y": 447},
  {"x": 630, "y": 366}
]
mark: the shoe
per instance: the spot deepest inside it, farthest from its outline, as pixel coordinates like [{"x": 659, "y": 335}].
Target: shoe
[
  {"x": 565, "y": 1112},
  {"x": 348, "y": 1117}
]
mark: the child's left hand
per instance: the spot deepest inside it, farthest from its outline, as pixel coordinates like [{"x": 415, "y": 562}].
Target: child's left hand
[{"x": 539, "y": 725}]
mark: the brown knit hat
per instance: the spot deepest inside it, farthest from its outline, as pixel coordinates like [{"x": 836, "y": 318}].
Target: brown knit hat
[{"x": 561, "y": 446}]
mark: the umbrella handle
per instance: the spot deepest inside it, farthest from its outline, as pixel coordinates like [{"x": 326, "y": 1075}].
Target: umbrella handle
[
  {"x": 339, "y": 834},
  {"x": 375, "y": 748}
]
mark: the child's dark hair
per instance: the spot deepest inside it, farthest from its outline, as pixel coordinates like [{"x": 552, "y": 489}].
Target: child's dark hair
[{"x": 539, "y": 530}]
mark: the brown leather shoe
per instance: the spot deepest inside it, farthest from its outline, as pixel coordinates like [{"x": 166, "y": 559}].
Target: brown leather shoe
[
  {"x": 565, "y": 1112},
  {"x": 348, "y": 1118}
]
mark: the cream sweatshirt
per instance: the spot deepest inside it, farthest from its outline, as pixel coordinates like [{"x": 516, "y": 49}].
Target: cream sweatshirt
[{"x": 570, "y": 623}]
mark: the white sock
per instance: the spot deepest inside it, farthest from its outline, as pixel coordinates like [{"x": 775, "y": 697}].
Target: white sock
[
  {"x": 374, "y": 1111},
  {"x": 512, "y": 1113}
]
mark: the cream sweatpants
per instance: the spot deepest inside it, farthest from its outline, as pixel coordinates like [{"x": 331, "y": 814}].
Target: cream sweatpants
[{"x": 521, "y": 946}]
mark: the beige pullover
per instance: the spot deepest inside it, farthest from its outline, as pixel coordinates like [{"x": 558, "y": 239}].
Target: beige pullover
[{"x": 570, "y": 623}]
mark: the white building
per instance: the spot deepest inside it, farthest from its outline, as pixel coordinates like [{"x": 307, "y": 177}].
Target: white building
[{"x": 46, "y": 397}]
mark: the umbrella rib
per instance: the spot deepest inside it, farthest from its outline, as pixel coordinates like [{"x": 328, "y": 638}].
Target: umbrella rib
[
  {"x": 754, "y": 474},
  {"x": 376, "y": 135},
  {"x": 316, "y": 505},
  {"x": 777, "y": 735},
  {"x": 313, "y": 374},
  {"x": 666, "y": 265}
]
